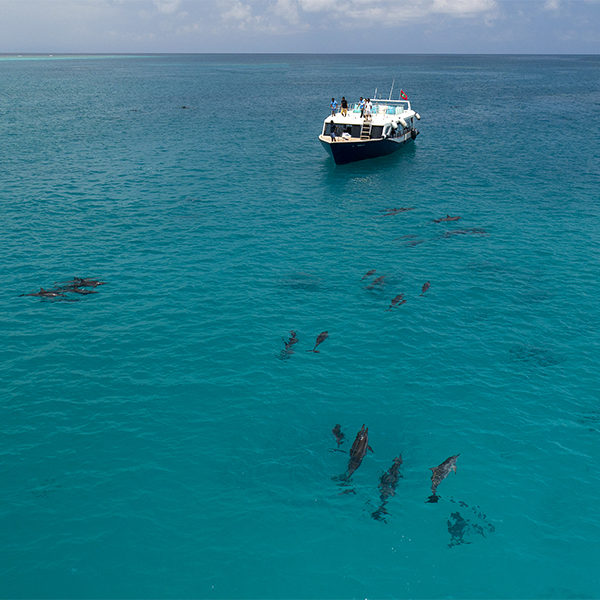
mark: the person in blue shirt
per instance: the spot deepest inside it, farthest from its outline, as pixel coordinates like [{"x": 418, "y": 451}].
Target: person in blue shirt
[
  {"x": 333, "y": 107},
  {"x": 361, "y": 105}
]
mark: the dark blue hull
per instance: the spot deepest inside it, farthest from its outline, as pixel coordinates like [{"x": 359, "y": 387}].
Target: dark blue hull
[{"x": 344, "y": 152}]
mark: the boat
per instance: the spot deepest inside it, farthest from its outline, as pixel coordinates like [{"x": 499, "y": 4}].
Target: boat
[{"x": 352, "y": 137}]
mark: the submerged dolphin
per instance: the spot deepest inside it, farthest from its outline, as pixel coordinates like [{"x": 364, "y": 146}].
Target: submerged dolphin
[
  {"x": 472, "y": 231},
  {"x": 394, "y": 211},
  {"x": 339, "y": 436},
  {"x": 440, "y": 473},
  {"x": 387, "y": 487},
  {"x": 293, "y": 340},
  {"x": 389, "y": 480},
  {"x": 289, "y": 350},
  {"x": 426, "y": 286},
  {"x": 77, "y": 290},
  {"x": 358, "y": 450},
  {"x": 378, "y": 281},
  {"x": 322, "y": 337}
]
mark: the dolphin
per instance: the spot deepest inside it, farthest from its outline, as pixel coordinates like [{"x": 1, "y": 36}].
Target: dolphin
[
  {"x": 289, "y": 350},
  {"x": 77, "y": 290},
  {"x": 394, "y": 211},
  {"x": 426, "y": 286},
  {"x": 387, "y": 487},
  {"x": 368, "y": 274},
  {"x": 440, "y": 473},
  {"x": 293, "y": 340},
  {"x": 473, "y": 231},
  {"x": 378, "y": 281},
  {"x": 447, "y": 218},
  {"x": 339, "y": 436},
  {"x": 84, "y": 282},
  {"x": 322, "y": 337},
  {"x": 358, "y": 450},
  {"x": 397, "y": 300},
  {"x": 389, "y": 480},
  {"x": 45, "y": 293}
]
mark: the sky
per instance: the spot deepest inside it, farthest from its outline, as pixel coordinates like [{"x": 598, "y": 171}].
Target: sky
[{"x": 301, "y": 26}]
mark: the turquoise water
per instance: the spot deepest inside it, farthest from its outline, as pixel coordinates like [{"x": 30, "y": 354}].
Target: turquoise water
[{"x": 156, "y": 443}]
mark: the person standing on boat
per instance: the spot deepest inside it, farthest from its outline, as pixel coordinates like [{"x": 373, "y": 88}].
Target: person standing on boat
[
  {"x": 361, "y": 105},
  {"x": 333, "y": 107},
  {"x": 344, "y": 105},
  {"x": 332, "y": 132},
  {"x": 368, "y": 108}
]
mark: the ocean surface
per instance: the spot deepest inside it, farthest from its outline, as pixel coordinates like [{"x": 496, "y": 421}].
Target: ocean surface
[{"x": 158, "y": 440}]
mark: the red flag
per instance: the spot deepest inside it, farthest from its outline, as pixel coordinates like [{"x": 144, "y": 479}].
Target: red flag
[{"x": 403, "y": 95}]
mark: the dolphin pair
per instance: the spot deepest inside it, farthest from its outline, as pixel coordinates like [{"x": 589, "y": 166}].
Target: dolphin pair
[
  {"x": 74, "y": 286},
  {"x": 289, "y": 350},
  {"x": 398, "y": 300}
]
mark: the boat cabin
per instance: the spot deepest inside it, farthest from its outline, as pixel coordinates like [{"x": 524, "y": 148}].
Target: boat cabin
[{"x": 388, "y": 119}]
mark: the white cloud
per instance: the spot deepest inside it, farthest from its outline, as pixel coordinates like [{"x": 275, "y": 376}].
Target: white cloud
[
  {"x": 463, "y": 7},
  {"x": 238, "y": 12},
  {"x": 167, "y": 7},
  {"x": 387, "y": 13},
  {"x": 552, "y": 5},
  {"x": 287, "y": 10}
]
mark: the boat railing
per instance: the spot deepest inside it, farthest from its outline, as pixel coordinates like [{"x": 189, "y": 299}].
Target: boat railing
[{"x": 380, "y": 107}]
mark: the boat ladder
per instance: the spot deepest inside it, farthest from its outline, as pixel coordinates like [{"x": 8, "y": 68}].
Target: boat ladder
[{"x": 365, "y": 132}]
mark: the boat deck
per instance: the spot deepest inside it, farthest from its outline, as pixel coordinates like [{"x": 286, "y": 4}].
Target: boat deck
[{"x": 340, "y": 139}]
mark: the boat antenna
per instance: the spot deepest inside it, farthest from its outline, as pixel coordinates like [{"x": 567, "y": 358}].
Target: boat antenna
[
  {"x": 375, "y": 96},
  {"x": 393, "y": 82}
]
